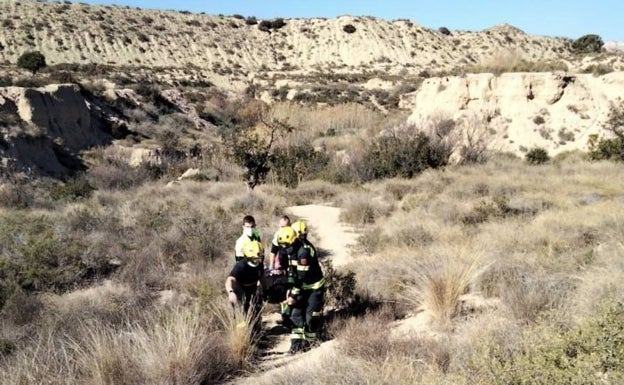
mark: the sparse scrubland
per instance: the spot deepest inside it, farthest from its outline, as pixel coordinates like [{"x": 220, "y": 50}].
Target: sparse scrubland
[{"x": 124, "y": 286}]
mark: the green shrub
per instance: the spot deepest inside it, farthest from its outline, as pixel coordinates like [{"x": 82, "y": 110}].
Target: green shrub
[
  {"x": 605, "y": 149},
  {"x": 277, "y": 23},
  {"x": 251, "y": 20},
  {"x": 593, "y": 353},
  {"x": 444, "y": 31},
  {"x": 588, "y": 44},
  {"x": 73, "y": 190},
  {"x": 32, "y": 61},
  {"x": 609, "y": 148},
  {"x": 264, "y": 25},
  {"x": 537, "y": 155},
  {"x": 294, "y": 164},
  {"x": 349, "y": 28},
  {"x": 34, "y": 256},
  {"x": 598, "y": 69},
  {"x": 405, "y": 156}
]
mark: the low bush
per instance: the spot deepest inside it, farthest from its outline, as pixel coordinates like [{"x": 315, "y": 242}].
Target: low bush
[
  {"x": 74, "y": 189},
  {"x": 592, "y": 353},
  {"x": 537, "y": 156},
  {"x": 349, "y": 28},
  {"x": 598, "y": 69},
  {"x": 401, "y": 155},
  {"x": 32, "y": 61},
  {"x": 444, "y": 31},
  {"x": 605, "y": 148},
  {"x": 296, "y": 163}
]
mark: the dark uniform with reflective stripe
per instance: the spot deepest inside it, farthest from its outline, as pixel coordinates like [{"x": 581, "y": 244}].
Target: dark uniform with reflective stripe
[
  {"x": 246, "y": 286},
  {"x": 308, "y": 289}
]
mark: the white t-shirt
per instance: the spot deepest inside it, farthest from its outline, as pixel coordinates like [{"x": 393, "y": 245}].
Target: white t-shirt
[{"x": 240, "y": 242}]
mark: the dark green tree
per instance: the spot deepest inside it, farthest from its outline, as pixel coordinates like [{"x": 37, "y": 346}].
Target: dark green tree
[
  {"x": 588, "y": 44},
  {"x": 32, "y": 61}
]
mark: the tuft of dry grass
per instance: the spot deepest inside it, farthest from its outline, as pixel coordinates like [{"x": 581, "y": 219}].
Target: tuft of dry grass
[
  {"x": 240, "y": 338},
  {"x": 440, "y": 282},
  {"x": 178, "y": 347},
  {"x": 363, "y": 208}
]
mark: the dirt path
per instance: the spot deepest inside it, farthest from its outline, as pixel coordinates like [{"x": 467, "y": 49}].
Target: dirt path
[
  {"x": 326, "y": 231},
  {"x": 332, "y": 239}
]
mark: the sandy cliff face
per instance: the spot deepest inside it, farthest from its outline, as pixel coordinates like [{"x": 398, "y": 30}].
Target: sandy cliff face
[
  {"x": 50, "y": 124},
  {"x": 523, "y": 110}
]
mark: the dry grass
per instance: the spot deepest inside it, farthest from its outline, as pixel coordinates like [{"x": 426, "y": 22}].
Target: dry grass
[
  {"x": 440, "y": 282},
  {"x": 547, "y": 255},
  {"x": 240, "y": 336}
]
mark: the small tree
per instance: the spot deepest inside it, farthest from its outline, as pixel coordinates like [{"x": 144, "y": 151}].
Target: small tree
[
  {"x": 32, "y": 61},
  {"x": 588, "y": 44},
  {"x": 252, "y": 148}
]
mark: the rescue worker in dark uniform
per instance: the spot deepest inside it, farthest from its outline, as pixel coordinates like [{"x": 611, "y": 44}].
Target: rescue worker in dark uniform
[
  {"x": 245, "y": 280},
  {"x": 306, "y": 295}
]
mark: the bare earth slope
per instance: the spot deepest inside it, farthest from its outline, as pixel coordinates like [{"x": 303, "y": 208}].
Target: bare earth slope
[{"x": 80, "y": 33}]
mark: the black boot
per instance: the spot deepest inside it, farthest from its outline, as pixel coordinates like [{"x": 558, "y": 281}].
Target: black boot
[{"x": 295, "y": 346}]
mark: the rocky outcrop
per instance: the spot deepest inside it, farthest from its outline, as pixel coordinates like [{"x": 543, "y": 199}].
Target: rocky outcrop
[
  {"x": 522, "y": 110},
  {"x": 45, "y": 128}
]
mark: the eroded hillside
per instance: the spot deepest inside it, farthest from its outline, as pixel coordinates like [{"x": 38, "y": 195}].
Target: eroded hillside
[{"x": 77, "y": 33}]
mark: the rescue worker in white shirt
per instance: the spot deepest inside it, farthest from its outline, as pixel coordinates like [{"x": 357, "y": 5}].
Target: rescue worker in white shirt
[
  {"x": 249, "y": 234},
  {"x": 277, "y": 266},
  {"x": 244, "y": 284},
  {"x": 306, "y": 296}
]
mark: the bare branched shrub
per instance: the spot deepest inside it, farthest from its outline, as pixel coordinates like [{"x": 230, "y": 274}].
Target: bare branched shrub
[
  {"x": 367, "y": 337},
  {"x": 526, "y": 292},
  {"x": 362, "y": 210}
]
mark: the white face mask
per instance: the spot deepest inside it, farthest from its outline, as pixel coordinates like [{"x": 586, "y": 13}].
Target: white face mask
[
  {"x": 253, "y": 264},
  {"x": 248, "y": 231}
]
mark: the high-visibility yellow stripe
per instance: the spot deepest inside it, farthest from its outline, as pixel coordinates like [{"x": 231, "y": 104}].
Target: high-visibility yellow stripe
[
  {"x": 311, "y": 251},
  {"x": 297, "y": 331},
  {"x": 316, "y": 314},
  {"x": 315, "y": 285},
  {"x": 310, "y": 336},
  {"x": 295, "y": 290},
  {"x": 284, "y": 307},
  {"x": 303, "y": 268},
  {"x": 297, "y": 336},
  {"x": 293, "y": 262}
]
